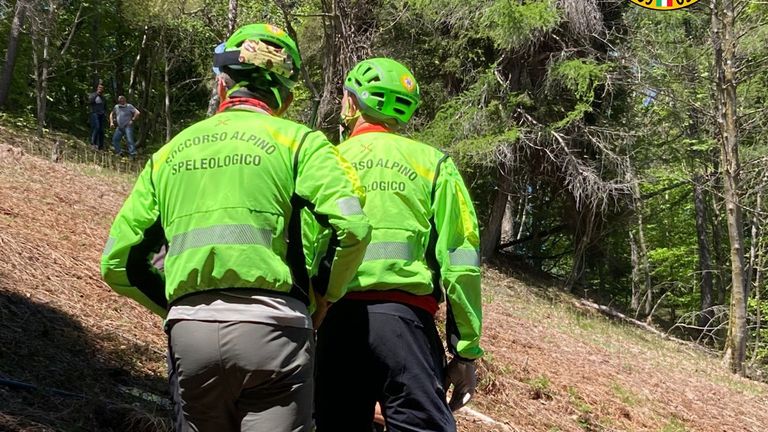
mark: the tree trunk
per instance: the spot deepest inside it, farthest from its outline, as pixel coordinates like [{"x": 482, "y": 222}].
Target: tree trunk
[
  {"x": 135, "y": 69},
  {"x": 756, "y": 262},
  {"x": 146, "y": 88},
  {"x": 231, "y": 17},
  {"x": 635, "y": 262},
  {"x": 583, "y": 236},
  {"x": 330, "y": 61},
  {"x": 316, "y": 97},
  {"x": 43, "y": 27},
  {"x": 758, "y": 286},
  {"x": 724, "y": 43},
  {"x": 348, "y": 30},
  {"x": 508, "y": 222},
  {"x": 167, "y": 86},
  {"x": 641, "y": 275},
  {"x": 705, "y": 261},
  {"x": 492, "y": 234},
  {"x": 213, "y": 100},
  {"x": 41, "y": 81},
  {"x": 646, "y": 266},
  {"x": 754, "y": 243},
  {"x": 96, "y": 41},
  {"x": 717, "y": 236},
  {"x": 522, "y": 211},
  {"x": 120, "y": 48},
  {"x": 11, "y": 51}
]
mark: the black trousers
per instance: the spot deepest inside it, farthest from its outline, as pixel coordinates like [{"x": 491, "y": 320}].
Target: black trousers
[{"x": 380, "y": 352}]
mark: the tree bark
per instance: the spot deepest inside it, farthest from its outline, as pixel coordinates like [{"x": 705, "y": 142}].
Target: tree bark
[
  {"x": 490, "y": 237},
  {"x": 758, "y": 287},
  {"x": 641, "y": 269},
  {"x": 41, "y": 87},
  {"x": 231, "y": 17},
  {"x": 146, "y": 88},
  {"x": 167, "y": 87},
  {"x": 96, "y": 40},
  {"x": 11, "y": 51},
  {"x": 213, "y": 100},
  {"x": 724, "y": 42},
  {"x": 717, "y": 236},
  {"x": 316, "y": 97},
  {"x": 348, "y": 30},
  {"x": 706, "y": 286},
  {"x": 135, "y": 69},
  {"x": 43, "y": 27},
  {"x": 635, "y": 263},
  {"x": 120, "y": 48}
]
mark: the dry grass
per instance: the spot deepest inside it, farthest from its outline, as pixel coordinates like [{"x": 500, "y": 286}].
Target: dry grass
[
  {"x": 549, "y": 367},
  {"x": 60, "y": 326},
  {"x": 552, "y": 368}
]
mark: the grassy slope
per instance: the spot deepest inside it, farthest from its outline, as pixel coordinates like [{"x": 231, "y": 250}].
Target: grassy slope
[{"x": 549, "y": 367}]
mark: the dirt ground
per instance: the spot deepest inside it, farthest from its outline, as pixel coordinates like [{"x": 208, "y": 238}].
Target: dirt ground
[{"x": 549, "y": 367}]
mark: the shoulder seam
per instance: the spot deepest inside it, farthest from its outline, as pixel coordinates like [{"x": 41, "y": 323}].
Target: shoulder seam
[
  {"x": 437, "y": 174},
  {"x": 296, "y": 155}
]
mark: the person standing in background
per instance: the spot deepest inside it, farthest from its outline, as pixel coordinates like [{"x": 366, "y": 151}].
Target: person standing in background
[
  {"x": 123, "y": 114},
  {"x": 98, "y": 105}
]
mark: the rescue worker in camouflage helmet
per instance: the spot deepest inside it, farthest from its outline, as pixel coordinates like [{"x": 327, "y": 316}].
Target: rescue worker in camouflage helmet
[
  {"x": 225, "y": 195},
  {"x": 423, "y": 251}
]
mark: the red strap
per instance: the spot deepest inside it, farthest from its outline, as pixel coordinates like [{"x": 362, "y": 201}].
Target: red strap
[
  {"x": 425, "y": 302},
  {"x": 369, "y": 127},
  {"x": 240, "y": 101}
]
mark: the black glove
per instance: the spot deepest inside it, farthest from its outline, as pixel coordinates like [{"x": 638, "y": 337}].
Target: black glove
[{"x": 463, "y": 375}]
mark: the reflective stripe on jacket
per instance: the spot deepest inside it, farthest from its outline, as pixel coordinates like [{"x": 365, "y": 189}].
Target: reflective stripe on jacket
[{"x": 225, "y": 195}]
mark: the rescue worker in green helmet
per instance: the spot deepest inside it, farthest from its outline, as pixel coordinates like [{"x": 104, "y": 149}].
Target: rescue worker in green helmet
[
  {"x": 423, "y": 251},
  {"x": 225, "y": 195}
]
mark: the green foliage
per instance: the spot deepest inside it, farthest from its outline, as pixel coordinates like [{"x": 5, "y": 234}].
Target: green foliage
[
  {"x": 474, "y": 124},
  {"x": 514, "y": 24},
  {"x": 540, "y": 387},
  {"x": 577, "y": 401},
  {"x": 626, "y": 396},
  {"x": 580, "y": 76}
]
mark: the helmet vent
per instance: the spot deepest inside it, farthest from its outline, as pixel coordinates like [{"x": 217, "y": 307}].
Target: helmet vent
[
  {"x": 402, "y": 101},
  {"x": 378, "y": 95},
  {"x": 398, "y": 110}
]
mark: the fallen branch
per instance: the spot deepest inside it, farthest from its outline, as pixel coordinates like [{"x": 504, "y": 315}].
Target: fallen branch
[
  {"x": 586, "y": 304},
  {"x": 484, "y": 419}
]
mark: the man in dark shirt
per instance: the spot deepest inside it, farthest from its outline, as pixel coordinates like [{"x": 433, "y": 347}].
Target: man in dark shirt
[{"x": 98, "y": 117}]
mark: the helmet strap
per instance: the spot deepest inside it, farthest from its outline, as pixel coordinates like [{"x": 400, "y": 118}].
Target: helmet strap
[{"x": 350, "y": 112}]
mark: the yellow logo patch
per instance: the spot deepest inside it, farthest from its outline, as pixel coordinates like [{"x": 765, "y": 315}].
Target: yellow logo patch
[
  {"x": 664, "y": 5},
  {"x": 408, "y": 82},
  {"x": 277, "y": 31}
]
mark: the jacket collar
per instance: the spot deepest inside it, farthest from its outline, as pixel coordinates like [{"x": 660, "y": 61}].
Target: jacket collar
[
  {"x": 369, "y": 127},
  {"x": 242, "y": 103}
]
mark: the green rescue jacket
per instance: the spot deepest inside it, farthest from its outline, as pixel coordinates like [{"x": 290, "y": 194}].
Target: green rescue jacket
[
  {"x": 225, "y": 194},
  {"x": 425, "y": 238}
]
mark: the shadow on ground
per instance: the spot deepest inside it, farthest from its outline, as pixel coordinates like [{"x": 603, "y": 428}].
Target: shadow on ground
[{"x": 83, "y": 381}]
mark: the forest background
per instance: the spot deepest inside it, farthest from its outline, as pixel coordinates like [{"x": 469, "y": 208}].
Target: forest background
[{"x": 619, "y": 149}]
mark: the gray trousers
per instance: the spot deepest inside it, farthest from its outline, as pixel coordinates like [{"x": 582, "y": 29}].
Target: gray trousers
[{"x": 241, "y": 376}]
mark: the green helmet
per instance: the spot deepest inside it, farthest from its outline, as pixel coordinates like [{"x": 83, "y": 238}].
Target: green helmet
[
  {"x": 385, "y": 90},
  {"x": 260, "y": 54}
]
